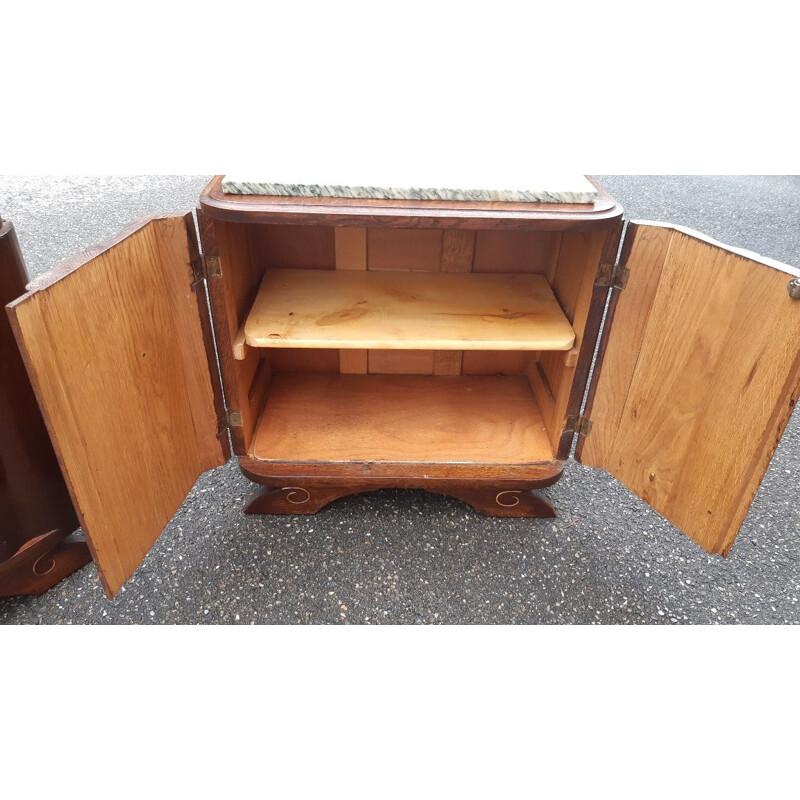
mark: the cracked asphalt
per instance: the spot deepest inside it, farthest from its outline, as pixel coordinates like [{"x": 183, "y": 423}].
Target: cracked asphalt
[{"x": 409, "y": 557}]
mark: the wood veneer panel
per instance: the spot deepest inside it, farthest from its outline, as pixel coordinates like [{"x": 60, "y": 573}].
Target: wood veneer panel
[
  {"x": 292, "y": 360},
  {"x": 292, "y": 246},
  {"x": 402, "y": 362},
  {"x": 114, "y": 346},
  {"x": 397, "y": 249},
  {"x": 701, "y": 372},
  {"x": 353, "y": 362},
  {"x": 447, "y": 362},
  {"x": 516, "y": 251},
  {"x": 403, "y": 311},
  {"x": 351, "y": 254},
  {"x": 240, "y": 275},
  {"x": 351, "y": 248},
  {"x": 496, "y": 362},
  {"x": 382, "y": 418},
  {"x": 231, "y": 296},
  {"x": 579, "y": 258},
  {"x": 458, "y": 251}
]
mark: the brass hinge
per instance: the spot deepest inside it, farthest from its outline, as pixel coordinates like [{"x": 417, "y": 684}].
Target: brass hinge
[
  {"x": 577, "y": 423},
  {"x": 211, "y": 267},
  {"x": 197, "y": 270},
  {"x": 228, "y": 419},
  {"x": 205, "y": 267},
  {"x": 612, "y": 275}
]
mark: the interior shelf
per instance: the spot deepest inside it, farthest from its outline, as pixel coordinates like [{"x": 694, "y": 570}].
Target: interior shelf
[
  {"x": 406, "y": 311},
  {"x": 325, "y": 417}
]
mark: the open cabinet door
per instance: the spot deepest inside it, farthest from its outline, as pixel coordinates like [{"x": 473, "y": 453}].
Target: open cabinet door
[
  {"x": 698, "y": 378},
  {"x": 116, "y": 345}
]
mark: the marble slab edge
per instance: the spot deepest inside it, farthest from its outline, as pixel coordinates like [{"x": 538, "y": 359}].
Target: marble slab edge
[{"x": 413, "y": 193}]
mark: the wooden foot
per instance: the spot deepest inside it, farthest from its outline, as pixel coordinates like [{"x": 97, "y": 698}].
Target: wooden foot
[
  {"x": 43, "y": 562},
  {"x": 496, "y": 502},
  {"x": 296, "y": 499}
]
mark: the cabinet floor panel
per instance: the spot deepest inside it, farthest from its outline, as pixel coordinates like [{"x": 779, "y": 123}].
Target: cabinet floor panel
[
  {"x": 405, "y": 311},
  {"x": 422, "y": 419}
]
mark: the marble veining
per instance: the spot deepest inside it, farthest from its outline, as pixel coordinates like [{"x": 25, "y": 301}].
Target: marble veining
[{"x": 476, "y": 188}]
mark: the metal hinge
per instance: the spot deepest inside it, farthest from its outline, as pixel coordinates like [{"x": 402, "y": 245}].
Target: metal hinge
[
  {"x": 197, "y": 270},
  {"x": 577, "y": 423},
  {"x": 211, "y": 267},
  {"x": 228, "y": 419},
  {"x": 612, "y": 275},
  {"x": 205, "y": 268}
]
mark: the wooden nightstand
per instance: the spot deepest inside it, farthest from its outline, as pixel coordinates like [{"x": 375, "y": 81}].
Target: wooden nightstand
[{"x": 446, "y": 345}]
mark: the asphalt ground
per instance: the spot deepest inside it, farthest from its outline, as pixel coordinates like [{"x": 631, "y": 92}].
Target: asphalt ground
[{"x": 410, "y": 557}]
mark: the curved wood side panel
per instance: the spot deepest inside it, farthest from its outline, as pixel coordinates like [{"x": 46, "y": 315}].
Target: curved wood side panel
[{"x": 33, "y": 496}]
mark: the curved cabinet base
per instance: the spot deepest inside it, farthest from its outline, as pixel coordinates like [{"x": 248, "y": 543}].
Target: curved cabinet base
[{"x": 307, "y": 494}]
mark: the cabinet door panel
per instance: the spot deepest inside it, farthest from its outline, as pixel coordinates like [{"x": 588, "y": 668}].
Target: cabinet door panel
[
  {"x": 698, "y": 379},
  {"x": 114, "y": 346}
]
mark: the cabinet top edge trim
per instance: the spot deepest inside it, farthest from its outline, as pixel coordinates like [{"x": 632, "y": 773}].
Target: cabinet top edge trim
[{"x": 404, "y": 213}]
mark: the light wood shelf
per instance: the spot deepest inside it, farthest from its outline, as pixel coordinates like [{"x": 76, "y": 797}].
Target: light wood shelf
[
  {"x": 401, "y": 419},
  {"x": 405, "y": 311}
]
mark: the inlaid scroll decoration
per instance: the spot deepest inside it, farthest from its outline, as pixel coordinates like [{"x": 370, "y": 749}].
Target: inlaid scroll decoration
[
  {"x": 296, "y": 495},
  {"x": 509, "y": 499},
  {"x": 50, "y": 567}
]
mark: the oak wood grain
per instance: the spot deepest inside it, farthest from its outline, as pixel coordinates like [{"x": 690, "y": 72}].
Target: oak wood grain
[
  {"x": 114, "y": 346},
  {"x": 700, "y": 376}
]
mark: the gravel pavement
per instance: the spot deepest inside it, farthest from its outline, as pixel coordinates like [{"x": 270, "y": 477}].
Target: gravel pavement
[{"x": 410, "y": 557}]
